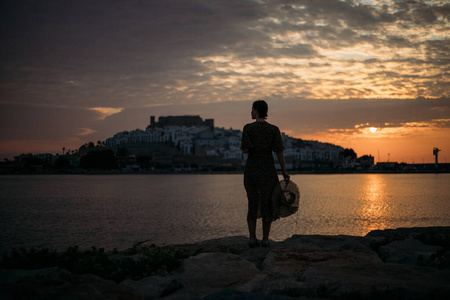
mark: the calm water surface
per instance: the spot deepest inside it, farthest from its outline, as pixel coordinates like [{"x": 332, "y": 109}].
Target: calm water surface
[{"x": 115, "y": 211}]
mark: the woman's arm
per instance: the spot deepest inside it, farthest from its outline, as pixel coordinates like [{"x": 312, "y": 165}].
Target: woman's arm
[
  {"x": 246, "y": 142},
  {"x": 282, "y": 163}
]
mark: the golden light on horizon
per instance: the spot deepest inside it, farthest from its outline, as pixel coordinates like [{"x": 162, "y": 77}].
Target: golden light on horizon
[{"x": 406, "y": 141}]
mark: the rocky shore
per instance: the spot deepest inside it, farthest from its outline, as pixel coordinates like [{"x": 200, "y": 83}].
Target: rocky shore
[{"x": 405, "y": 263}]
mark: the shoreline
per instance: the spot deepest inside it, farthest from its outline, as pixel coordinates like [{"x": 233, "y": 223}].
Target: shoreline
[
  {"x": 81, "y": 172},
  {"x": 411, "y": 263}
]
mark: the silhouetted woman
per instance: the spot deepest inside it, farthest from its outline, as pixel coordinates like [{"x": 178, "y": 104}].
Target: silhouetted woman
[{"x": 259, "y": 140}]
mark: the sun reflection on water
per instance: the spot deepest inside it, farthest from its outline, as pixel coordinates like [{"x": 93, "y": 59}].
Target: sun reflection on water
[{"x": 374, "y": 206}]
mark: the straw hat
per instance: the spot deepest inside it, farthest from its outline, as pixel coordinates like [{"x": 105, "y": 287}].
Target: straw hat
[{"x": 285, "y": 199}]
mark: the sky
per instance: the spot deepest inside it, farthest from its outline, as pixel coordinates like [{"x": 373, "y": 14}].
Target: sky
[{"x": 368, "y": 75}]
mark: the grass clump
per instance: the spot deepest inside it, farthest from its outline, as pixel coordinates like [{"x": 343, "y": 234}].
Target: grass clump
[{"x": 151, "y": 260}]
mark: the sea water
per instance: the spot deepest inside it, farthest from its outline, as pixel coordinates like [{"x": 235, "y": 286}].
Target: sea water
[{"x": 116, "y": 211}]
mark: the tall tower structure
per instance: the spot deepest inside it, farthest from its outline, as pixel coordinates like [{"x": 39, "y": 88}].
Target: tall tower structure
[{"x": 435, "y": 153}]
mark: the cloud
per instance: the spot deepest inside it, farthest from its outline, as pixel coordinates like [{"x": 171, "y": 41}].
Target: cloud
[
  {"x": 99, "y": 65},
  {"x": 315, "y": 117},
  {"x": 162, "y": 52},
  {"x": 442, "y": 123},
  {"x": 440, "y": 108},
  {"x": 106, "y": 111},
  {"x": 86, "y": 131}
]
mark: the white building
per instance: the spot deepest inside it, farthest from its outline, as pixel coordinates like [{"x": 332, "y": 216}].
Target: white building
[
  {"x": 221, "y": 142},
  {"x": 180, "y": 136}
]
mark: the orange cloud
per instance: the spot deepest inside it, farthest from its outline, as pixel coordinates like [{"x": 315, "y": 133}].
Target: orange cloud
[
  {"x": 86, "y": 131},
  {"x": 106, "y": 111}
]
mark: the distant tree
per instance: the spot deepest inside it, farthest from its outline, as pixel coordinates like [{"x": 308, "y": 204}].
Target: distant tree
[
  {"x": 143, "y": 161},
  {"x": 62, "y": 162},
  {"x": 99, "y": 160},
  {"x": 348, "y": 153},
  {"x": 29, "y": 162},
  {"x": 122, "y": 151},
  {"x": 299, "y": 143}
]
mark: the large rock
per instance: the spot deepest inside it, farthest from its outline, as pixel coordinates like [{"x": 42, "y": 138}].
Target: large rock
[
  {"x": 153, "y": 287},
  {"x": 209, "y": 272},
  {"x": 318, "y": 273},
  {"x": 294, "y": 262},
  {"x": 343, "y": 242},
  {"x": 408, "y": 251},
  {"x": 57, "y": 283},
  {"x": 390, "y": 281},
  {"x": 343, "y": 266},
  {"x": 433, "y": 233},
  {"x": 229, "y": 294}
]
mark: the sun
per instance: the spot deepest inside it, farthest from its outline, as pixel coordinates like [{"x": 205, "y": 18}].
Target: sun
[{"x": 373, "y": 129}]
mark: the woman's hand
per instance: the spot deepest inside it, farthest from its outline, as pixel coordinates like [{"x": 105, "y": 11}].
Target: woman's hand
[
  {"x": 286, "y": 176},
  {"x": 282, "y": 162}
]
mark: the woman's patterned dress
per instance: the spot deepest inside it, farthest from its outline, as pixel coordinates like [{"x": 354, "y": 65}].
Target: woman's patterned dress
[{"x": 260, "y": 175}]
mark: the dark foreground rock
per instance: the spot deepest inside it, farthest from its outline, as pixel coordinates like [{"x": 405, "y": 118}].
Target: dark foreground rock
[{"x": 404, "y": 263}]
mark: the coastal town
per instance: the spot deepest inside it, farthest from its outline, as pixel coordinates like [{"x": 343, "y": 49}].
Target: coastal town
[
  {"x": 190, "y": 144},
  {"x": 190, "y": 140}
]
